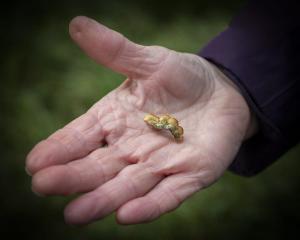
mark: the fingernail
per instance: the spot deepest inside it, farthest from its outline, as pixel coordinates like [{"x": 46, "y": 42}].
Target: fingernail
[
  {"x": 37, "y": 193},
  {"x": 28, "y": 172},
  {"x": 78, "y": 24}
]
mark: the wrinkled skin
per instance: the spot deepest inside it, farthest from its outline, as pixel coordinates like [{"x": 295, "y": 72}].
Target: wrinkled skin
[{"x": 141, "y": 173}]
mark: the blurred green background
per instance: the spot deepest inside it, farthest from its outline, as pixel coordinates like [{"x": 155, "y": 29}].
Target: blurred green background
[{"x": 46, "y": 81}]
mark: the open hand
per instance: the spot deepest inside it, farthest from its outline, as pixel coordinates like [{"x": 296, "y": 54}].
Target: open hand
[{"x": 117, "y": 161}]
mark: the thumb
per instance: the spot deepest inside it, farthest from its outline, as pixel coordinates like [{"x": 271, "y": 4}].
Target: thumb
[{"x": 113, "y": 50}]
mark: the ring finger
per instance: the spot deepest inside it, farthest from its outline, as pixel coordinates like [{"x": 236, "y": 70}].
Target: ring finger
[{"x": 80, "y": 175}]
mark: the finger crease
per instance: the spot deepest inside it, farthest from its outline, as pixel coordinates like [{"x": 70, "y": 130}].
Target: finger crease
[
  {"x": 79, "y": 136},
  {"x": 118, "y": 52},
  {"x": 100, "y": 169},
  {"x": 78, "y": 174},
  {"x": 132, "y": 187}
]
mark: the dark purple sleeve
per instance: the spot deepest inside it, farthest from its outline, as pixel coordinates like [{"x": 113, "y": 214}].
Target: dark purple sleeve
[{"x": 260, "y": 52}]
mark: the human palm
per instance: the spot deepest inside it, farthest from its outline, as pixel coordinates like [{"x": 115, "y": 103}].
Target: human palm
[{"x": 117, "y": 161}]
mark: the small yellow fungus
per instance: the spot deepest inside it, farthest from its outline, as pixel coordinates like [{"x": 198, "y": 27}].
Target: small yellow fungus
[{"x": 165, "y": 122}]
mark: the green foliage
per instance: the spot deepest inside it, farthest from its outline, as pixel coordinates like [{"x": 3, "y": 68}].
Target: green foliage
[{"x": 47, "y": 81}]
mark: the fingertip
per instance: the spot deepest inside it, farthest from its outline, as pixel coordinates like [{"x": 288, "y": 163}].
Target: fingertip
[
  {"x": 71, "y": 217},
  {"x": 37, "y": 193},
  {"x": 79, "y": 19},
  {"x": 40, "y": 183},
  {"x": 79, "y": 212},
  {"x": 28, "y": 165},
  {"x": 54, "y": 180},
  {"x": 122, "y": 216},
  {"x": 45, "y": 154},
  {"x": 28, "y": 171},
  {"x": 32, "y": 160},
  {"x": 76, "y": 23},
  {"x": 81, "y": 24}
]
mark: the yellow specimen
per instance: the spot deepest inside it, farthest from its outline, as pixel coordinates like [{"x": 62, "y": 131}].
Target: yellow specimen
[{"x": 165, "y": 122}]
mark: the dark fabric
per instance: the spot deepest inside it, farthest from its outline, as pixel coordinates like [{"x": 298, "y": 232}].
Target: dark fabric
[{"x": 260, "y": 52}]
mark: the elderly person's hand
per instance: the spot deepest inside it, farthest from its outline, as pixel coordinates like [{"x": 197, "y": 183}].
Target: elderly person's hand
[{"x": 115, "y": 160}]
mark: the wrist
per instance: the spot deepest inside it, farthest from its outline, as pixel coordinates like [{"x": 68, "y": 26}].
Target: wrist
[{"x": 252, "y": 125}]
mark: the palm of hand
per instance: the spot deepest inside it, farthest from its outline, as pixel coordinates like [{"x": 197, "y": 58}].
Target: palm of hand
[{"x": 141, "y": 172}]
